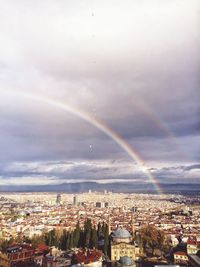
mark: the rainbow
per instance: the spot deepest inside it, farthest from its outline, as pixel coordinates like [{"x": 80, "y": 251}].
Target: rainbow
[
  {"x": 99, "y": 124},
  {"x": 160, "y": 123}
]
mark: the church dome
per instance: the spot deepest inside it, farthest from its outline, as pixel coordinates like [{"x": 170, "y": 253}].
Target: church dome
[
  {"x": 126, "y": 261},
  {"x": 121, "y": 233}
]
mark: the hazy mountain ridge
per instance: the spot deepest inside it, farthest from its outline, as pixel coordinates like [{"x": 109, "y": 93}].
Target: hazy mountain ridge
[{"x": 94, "y": 186}]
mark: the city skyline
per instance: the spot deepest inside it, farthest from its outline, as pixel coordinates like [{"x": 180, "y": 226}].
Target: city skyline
[{"x": 99, "y": 92}]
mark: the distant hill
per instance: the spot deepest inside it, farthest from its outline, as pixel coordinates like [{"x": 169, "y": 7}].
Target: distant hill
[{"x": 94, "y": 186}]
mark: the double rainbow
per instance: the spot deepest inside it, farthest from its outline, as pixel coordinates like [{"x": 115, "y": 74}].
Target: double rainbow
[{"x": 99, "y": 124}]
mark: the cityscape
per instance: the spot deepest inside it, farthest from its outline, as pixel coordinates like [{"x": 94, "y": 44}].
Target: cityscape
[
  {"x": 99, "y": 229},
  {"x": 99, "y": 133}
]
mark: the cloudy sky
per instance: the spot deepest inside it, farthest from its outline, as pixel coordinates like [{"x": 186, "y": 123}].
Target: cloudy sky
[{"x": 133, "y": 65}]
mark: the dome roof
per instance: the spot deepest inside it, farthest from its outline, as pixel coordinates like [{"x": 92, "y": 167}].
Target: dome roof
[
  {"x": 121, "y": 233},
  {"x": 126, "y": 261}
]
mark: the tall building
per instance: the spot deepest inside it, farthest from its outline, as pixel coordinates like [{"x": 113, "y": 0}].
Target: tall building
[
  {"x": 134, "y": 209},
  {"x": 58, "y": 199},
  {"x": 98, "y": 204},
  {"x": 101, "y": 204},
  {"x": 106, "y": 204},
  {"x": 75, "y": 200}
]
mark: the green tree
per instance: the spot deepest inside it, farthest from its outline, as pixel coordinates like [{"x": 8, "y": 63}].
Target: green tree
[
  {"x": 106, "y": 240},
  {"x": 81, "y": 243},
  {"x": 152, "y": 237},
  {"x": 99, "y": 230},
  {"x": 63, "y": 240},
  {"x": 50, "y": 238},
  {"x": 76, "y": 235},
  {"x": 68, "y": 241},
  {"x": 87, "y": 232},
  {"x": 71, "y": 243},
  {"x": 94, "y": 239},
  {"x": 4, "y": 243},
  {"x": 53, "y": 238},
  {"x": 103, "y": 228}
]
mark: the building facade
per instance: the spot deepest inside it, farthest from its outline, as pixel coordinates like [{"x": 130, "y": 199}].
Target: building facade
[
  {"x": 122, "y": 245},
  {"x": 180, "y": 257},
  {"x": 193, "y": 245},
  {"x": 15, "y": 255}
]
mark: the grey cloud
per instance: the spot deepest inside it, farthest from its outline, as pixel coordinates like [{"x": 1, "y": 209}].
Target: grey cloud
[
  {"x": 103, "y": 171},
  {"x": 74, "y": 171},
  {"x": 192, "y": 167}
]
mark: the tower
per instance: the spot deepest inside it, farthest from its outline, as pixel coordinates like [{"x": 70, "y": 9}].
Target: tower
[
  {"x": 58, "y": 199},
  {"x": 75, "y": 202},
  {"x": 132, "y": 225}
]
